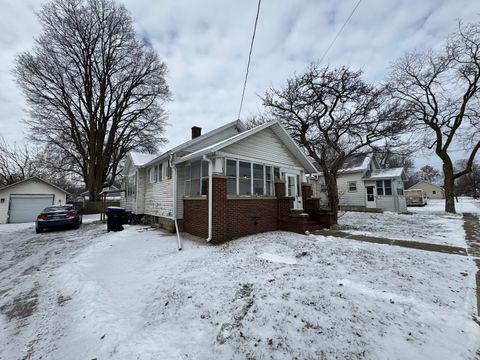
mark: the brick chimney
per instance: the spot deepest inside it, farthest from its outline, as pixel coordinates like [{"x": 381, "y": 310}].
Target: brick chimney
[{"x": 196, "y": 132}]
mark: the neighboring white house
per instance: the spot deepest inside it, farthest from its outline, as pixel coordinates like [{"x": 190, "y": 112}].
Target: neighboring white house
[
  {"x": 112, "y": 194},
  {"x": 239, "y": 164},
  {"x": 433, "y": 191},
  {"x": 362, "y": 184},
  {"x": 22, "y": 201}
]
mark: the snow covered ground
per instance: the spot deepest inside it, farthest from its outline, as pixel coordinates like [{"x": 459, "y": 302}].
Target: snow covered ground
[
  {"x": 429, "y": 224},
  {"x": 89, "y": 294}
]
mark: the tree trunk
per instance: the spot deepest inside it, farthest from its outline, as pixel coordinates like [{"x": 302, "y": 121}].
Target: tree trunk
[
  {"x": 332, "y": 194},
  {"x": 449, "y": 186}
]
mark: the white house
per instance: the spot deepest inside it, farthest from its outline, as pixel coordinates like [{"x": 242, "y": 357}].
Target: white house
[
  {"x": 255, "y": 177},
  {"x": 362, "y": 184},
  {"x": 22, "y": 201},
  {"x": 432, "y": 191}
]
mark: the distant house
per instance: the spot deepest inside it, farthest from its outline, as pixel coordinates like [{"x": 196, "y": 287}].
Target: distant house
[
  {"x": 255, "y": 178},
  {"x": 433, "y": 191},
  {"x": 112, "y": 194},
  {"x": 363, "y": 184},
  {"x": 23, "y": 201}
]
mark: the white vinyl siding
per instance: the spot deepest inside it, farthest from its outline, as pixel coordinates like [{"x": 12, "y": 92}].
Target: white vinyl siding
[
  {"x": 159, "y": 198},
  {"x": 263, "y": 146},
  {"x": 348, "y": 197}
]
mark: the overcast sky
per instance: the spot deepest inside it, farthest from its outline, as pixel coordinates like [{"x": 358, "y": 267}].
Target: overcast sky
[{"x": 205, "y": 45}]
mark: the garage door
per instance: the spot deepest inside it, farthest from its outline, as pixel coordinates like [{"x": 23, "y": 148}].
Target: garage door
[{"x": 26, "y": 208}]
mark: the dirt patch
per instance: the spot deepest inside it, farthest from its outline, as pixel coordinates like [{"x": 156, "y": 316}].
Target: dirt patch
[
  {"x": 22, "y": 306},
  {"x": 61, "y": 300}
]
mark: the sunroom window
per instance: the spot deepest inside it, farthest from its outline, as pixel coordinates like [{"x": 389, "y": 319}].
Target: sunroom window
[
  {"x": 196, "y": 178},
  {"x": 246, "y": 178}
]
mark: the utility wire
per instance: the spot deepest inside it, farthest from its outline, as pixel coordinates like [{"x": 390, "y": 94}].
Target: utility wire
[
  {"x": 249, "y": 58},
  {"x": 339, "y": 32}
]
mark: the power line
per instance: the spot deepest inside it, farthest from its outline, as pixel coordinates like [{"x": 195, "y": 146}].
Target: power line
[
  {"x": 339, "y": 31},
  {"x": 249, "y": 57}
]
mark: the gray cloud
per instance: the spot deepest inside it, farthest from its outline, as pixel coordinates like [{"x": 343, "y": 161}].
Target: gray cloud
[{"x": 205, "y": 44}]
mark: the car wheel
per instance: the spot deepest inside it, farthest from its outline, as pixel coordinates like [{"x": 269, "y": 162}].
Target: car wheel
[
  {"x": 38, "y": 231},
  {"x": 76, "y": 226}
]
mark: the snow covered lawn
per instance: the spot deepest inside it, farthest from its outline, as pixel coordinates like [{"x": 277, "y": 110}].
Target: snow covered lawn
[
  {"x": 429, "y": 224},
  {"x": 132, "y": 295}
]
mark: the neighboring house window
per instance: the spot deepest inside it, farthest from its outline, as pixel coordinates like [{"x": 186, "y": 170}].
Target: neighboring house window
[
  {"x": 245, "y": 178},
  {"x": 132, "y": 185},
  {"x": 384, "y": 187},
  {"x": 434, "y": 192},
  {"x": 196, "y": 178},
  {"x": 352, "y": 186}
]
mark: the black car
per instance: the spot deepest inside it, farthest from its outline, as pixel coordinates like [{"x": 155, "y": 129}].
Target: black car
[{"x": 57, "y": 217}]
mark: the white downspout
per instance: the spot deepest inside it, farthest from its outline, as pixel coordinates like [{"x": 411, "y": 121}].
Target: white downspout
[
  {"x": 210, "y": 197},
  {"x": 174, "y": 176}
]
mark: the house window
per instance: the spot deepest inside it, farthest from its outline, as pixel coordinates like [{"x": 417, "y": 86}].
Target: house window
[
  {"x": 352, "y": 186},
  {"x": 258, "y": 180},
  {"x": 268, "y": 181},
  {"x": 231, "y": 173},
  {"x": 400, "y": 191},
  {"x": 152, "y": 174},
  {"x": 196, "y": 178},
  {"x": 245, "y": 178},
  {"x": 166, "y": 170},
  {"x": 434, "y": 192},
  {"x": 160, "y": 171},
  {"x": 323, "y": 188},
  {"x": 132, "y": 185},
  {"x": 384, "y": 187}
]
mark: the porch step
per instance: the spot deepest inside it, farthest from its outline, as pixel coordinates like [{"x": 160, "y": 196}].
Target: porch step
[{"x": 296, "y": 211}]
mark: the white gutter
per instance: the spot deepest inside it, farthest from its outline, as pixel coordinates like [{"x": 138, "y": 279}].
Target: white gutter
[
  {"x": 174, "y": 176},
  {"x": 210, "y": 197}
]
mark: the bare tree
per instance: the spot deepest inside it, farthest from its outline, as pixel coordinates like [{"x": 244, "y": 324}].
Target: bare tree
[
  {"x": 17, "y": 162},
  {"x": 333, "y": 114},
  {"x": 468, "y": 184},
  {"x": 441, "y": 91},
  {"x": 429, "y": 174},
  {"x": 395, "y": 155},
  {"x": 93, "y": 89}
]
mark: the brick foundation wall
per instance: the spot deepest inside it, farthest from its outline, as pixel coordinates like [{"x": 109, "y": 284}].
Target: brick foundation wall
[
  {"x": 250, "y": 216},
  {"x": 195, "y": 217},
  {"x": 236, "y": 216}
]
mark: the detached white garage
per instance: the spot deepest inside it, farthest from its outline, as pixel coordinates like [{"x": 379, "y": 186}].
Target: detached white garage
[{"x": 22, "y": 201}]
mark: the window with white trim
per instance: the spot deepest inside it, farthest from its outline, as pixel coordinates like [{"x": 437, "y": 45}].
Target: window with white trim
[
  {"x": 132, "y": 185},
  {"x": 160, "y": 172},
  {"x": 196, "y": 178},
  {"x": 384, "y": 187},
  {"x": 250, "y": 179},
  {"x": 400, "y": 191},
  {"x": 352, "y": 186}
]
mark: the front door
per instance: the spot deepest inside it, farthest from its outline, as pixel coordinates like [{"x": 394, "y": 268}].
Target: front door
[
  {"x": 291, "y": 190},
  {"x": 371, "y": 200}
]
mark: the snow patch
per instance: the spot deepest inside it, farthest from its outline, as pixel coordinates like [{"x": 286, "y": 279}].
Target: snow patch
[{"x": 277, "y": 258}]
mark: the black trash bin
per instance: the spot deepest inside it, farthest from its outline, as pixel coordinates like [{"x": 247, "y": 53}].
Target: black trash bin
[{"x": 115, "y": 217}]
